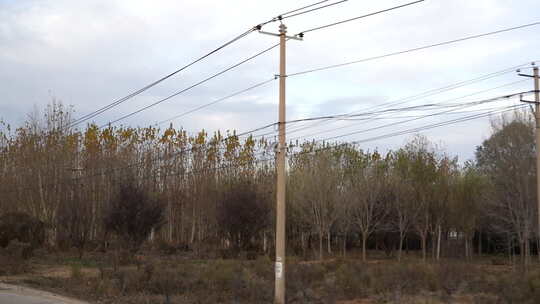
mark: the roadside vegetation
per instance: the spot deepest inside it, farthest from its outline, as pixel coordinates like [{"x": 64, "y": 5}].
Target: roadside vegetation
[
  {"x": 142, "y": 215},
  {"x": 180, "y": 278}
]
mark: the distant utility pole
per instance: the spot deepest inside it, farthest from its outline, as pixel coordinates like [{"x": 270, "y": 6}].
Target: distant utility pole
[
  {"x": 280, "y": 167},
  {"x": 536, "y": 103}
]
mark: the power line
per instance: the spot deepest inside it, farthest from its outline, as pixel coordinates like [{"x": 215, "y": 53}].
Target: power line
[
  {"x": 193, "y": 86},
  {"x": 398, "y": 103},
  {"x": 403, "y": 100},
  {"x": 217, "y": 100},
  {"x": 416, "y": 130},
  {"x": 409, "y": 50},
  {"x": 430, "y": 115},
  {"x": 304, "y": 7},
  {"x": 139, "y": 91},
  {"x": 313, "y": 9},
  {"x": 413, "y": 49},
  {"x": 258, "y": 27},
  {"x": 440, "y": 124},
  {"x": 424, "y": 94},
  {"x": 359, "y": 17},
  {"x": 416, "y": 116},
  {"x": 222, "y": 46},
  {"x": 298, "y": 12},
  {"x": 429, "y": 106}
]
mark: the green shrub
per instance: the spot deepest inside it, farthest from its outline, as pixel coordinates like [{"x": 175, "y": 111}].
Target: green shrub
[
  {"x": 263, "y": 267},
  {"x": 76, "y": 272}
]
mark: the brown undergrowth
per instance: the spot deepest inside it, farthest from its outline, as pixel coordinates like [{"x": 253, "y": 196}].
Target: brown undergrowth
[{"x": 175, "y": 278}]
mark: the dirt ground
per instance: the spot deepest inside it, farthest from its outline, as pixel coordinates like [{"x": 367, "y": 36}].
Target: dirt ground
[{"x": 43, "y": 295}]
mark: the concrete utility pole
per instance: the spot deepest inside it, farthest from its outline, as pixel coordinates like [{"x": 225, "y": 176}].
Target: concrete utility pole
[
  {"x": 280, "y": 296},
  {"x": 280, "y": 166},
  {"x": 537, "y": 119}
]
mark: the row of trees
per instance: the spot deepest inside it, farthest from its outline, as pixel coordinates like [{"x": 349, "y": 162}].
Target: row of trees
[{"x": 218, "y": 191}]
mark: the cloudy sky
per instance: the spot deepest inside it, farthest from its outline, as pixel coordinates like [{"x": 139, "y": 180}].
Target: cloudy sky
[{"x": 90, "y": 53}]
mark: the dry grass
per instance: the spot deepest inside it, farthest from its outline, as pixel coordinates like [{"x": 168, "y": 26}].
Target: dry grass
[{"x": 177, "y": 279}]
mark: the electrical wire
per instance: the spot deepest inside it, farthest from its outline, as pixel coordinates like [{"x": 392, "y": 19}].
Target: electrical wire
[
  {"x": 414, "y": 130},
  {"x": 217, "y": 100},
  {"x": 416, "y": 116},
  {"x": 219, "y": 48},
  {"x": 303, "y": 8},
  {"x": 139, "y": 91},
  {"x": 404, "y": 100},
  {"x": 398, "y": 103},
  {"x": 313, "y": 9},
  {"x": 192, "y": 86},
  {"x": 424, "y": 107},
  {"x": 423, "y": 94},
  {"x": 440, "y": 124},
  {"x": 359, "y": 17},
  {"x": 412, "y": 50},
  {"x": 428, "y": 115}
]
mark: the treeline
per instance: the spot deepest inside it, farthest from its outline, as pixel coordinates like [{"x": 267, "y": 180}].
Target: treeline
[{"x": 217, "y": 191}]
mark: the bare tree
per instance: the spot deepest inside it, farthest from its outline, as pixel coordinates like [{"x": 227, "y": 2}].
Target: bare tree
[
  {"x": 316, "y": 191},
  {"x": 368, "y": 194},
  {"x": 466, "y": 204},
  {"x": 403, "y": 210},
  {"x": 508, "y": 160},
  {"x": 424, "y": 174}
]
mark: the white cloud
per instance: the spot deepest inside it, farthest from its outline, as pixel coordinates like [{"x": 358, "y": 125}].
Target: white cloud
[{"x": 88, "y": 53}]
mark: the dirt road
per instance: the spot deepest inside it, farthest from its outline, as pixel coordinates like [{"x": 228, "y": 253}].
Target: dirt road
[{"x": 10, "y": 294}]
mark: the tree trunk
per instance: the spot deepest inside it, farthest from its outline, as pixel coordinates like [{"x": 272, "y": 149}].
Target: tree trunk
[
  {"x": 522, "y": 251},
  {"x": 329, "y": 241},
  {"x": 527, "y": 252},
  {"x": 511, "y": 251},
  {"x": 433, "y": 244},
  {"x": 400, "y": 248},
  {"x": 423, "y": 238},
  {"x": 169, "y": 219},
  {"x": 364, "y": 241},
  {"x": 345, "y": 245},
  {"x": 265, "y": 244},
  {"x": 193, "y": 226},
  {"x": 467, "y": 248},
  {"x": 304, "y": 243},
  {"x": 439, "y": 232},
  {"x": 320, "y": 245},
  {"x": 538, "y": 247},
  {"x": 406, "y": 241},
  {"x": 479, "y": 243}
]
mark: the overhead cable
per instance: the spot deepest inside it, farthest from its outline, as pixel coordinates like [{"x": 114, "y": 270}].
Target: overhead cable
[{"x": 413, "y": 49}]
